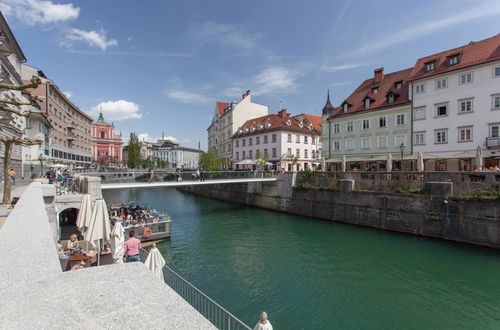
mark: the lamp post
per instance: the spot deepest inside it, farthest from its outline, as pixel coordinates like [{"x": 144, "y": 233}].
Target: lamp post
[{"x": 402, "y": 148}]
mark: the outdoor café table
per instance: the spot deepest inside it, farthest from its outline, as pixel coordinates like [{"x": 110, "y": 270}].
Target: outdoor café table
[{"x": 76, "y": 258}]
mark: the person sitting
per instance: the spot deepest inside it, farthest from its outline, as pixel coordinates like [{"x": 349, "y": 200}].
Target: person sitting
[
  {"x": 79, "y": 265},
  {"x": 132, "y": 247},
  {"x": 60, "y": 251},
  {"x": 73, "y": 247}
]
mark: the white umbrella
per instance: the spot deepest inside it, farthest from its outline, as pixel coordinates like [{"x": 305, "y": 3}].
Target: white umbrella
[
  {"x": 388, "y": 164},
  {"x": 99, "y": 228},
  {"x": 155, "y": 262},
  {"x": 420, "y": 162},
  {"x": 323, "y": 164},
  {"x": 479, "y": 157},
  {"x": 84, "y": 214},
  {"x": 118, "y": 238},
  {"x": 344, "y": 163}
]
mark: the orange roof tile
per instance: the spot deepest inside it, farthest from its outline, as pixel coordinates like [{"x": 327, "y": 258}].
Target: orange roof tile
[{"x": 221, "y": 106}]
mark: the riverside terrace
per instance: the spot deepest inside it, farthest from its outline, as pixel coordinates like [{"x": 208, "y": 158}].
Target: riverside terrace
[{"x": 35, "y": 293}]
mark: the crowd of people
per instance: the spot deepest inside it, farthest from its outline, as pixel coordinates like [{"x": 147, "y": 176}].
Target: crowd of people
[
  {"x": 134, "y": 215},
  {"x": 59, "y": 175},
  {"x": 486, "y": 169}
]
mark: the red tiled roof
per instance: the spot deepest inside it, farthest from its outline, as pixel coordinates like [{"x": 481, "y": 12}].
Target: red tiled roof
[
  {"x": 356, "y": 100},
  {"x": 471, "y": 54},
  {"x": 221, "y": 106},
  {"x": 275, "y": 122}
]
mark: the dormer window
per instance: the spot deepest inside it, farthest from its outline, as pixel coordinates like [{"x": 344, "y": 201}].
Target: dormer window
[
  {"x": 289, "y": 122},
  {"x": 375, "y": 90},
  {"x": 390, "y": 98},
  {"x": 268, "y": 124},
  {"x": 346, "y": 107},
  {"x": 398, "y": 84},
  {"x": 367, "y": 103},
  {"x": 310, "y": 127},
  {"x": 301, "y": 124},
  {"x": 429, "y": 66},
  {"x": 453, "y": 59}
]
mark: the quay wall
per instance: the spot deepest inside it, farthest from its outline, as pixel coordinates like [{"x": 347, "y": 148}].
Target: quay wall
[{"x": 437, "y": 214}]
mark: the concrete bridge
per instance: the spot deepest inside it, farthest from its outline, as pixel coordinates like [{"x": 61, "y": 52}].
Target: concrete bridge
[{"x": 182, "y": 183}]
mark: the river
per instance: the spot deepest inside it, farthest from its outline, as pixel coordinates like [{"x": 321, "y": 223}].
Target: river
[{"x": 314, "y": 274}]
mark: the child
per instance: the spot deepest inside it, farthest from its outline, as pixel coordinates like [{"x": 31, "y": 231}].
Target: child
[{"x": 73, "y": 246}]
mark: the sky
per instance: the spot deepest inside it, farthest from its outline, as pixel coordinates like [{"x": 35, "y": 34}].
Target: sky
[{"x": 159, "y": 66}]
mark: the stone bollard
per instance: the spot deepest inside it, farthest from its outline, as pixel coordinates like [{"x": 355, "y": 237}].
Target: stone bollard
[
  {"x": 439, "y": 189},
  {"x": 346, "y": 185}
]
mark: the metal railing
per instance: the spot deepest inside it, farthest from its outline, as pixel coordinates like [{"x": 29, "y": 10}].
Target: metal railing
[
  {"x": 206, "y": 306},
  {"x": 492, "y": 142}
]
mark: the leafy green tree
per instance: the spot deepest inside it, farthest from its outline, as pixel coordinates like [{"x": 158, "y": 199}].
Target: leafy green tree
[
  {"x": 291, "y": 159},
  {"x": 134, "y": 151},
  {"x": 210, "y": 161}
]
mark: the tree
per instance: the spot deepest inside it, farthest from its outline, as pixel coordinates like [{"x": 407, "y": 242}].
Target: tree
[
  {"x": 10, "y": 107},
  {"x": 210, "y": 161},
  {"x": 134, "y": 151},
  {"x": 290, "y": 158}
]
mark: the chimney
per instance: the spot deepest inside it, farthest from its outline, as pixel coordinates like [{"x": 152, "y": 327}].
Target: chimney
[
  {"x": 245, "y": 94},
  {"x": 282, "y": 113},
  {"x": 378, "y": 75}
]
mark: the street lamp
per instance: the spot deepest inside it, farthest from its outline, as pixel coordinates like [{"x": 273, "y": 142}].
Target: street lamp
[{"x": 402, "y": 148}]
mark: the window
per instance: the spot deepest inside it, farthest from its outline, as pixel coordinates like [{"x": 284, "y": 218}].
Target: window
[
  {"x": 289, "y": 151},
  {"x": 465, "y": 105},
  {"x": 242, "y": 142},
  {"x": 494, "y": 130},
  {"x": 399, "y": 140},
  {"x": 429, "y": 66},
  {"x": 237, "y": 143},
  {"x": 382, "y": 141},
  {"x": 336, "y": 145},
  {"x": 382, "y": 122},
  {"x": 297, "y": 152},
  {"x": 336, "y": 128},
  {"x": 305, "y": 140},
  {"x": 441, "y": 83},
  {"x": 496, "y": 72},
  {"x": 274, "y": 152},
  {"x": 273, "y": 138},
  {"x": 419, "y": 138},
  {"x": 419, "y": 113},
  {"x": 367, "y": 103},
  {"x": 265, "y": 138},
  {"x": 496, "y": 102},
  {"x": 346, "y": 107},
  {"x": 289, "y": 138},
  {"x": 265, "y": 153},
  {"x": 237, "y": 155},
  {"x": 243, "y": 155},
  {"x": 366, "y": 123},
  {"x": 250, "y": 141},
  {"x": 102, "y": 135},
  {"x": 349, "y": 126},
  {"x": 306, "y": 154},
  {"x": 398, "y": 84},
  {"x": 440, "y": 136},
  {"x": 366, "y": 143},
  {"x": 349, "y": 144},
  {"x": 442, "y": 110},
  {"x": 465, "y": 134},
  {"x": 400, "y": 119},
  {"x": 375, "y": 90},
  {"x": 313, "y": 154},
  {"x": 257, "y": 140},
  {"x": 465, "y": 78},
  {"x": 313, "y": 140},
  {"x": 454, "y": 59},
  {"x": 297, "y": 139},
  {"x": 250, "y": 154},
  {"x": 420, "y": 88}
]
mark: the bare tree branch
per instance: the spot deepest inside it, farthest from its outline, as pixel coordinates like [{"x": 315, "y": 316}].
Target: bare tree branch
[{"x": 34, "y": 82}]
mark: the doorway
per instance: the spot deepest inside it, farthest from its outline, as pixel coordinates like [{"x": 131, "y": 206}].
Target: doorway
[{"x": 67, "y": 223}]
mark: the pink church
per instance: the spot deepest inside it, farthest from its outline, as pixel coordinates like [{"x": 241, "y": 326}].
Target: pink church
[{"x": 106, "y": 145}]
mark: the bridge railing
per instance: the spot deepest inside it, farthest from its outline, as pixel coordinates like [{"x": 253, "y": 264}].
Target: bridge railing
[{"x": 211, "y": 310}]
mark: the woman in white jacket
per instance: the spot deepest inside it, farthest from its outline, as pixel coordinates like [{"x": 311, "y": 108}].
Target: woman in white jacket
[{"x": 263, "y": 323}]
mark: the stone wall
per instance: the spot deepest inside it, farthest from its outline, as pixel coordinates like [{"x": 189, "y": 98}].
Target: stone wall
[{"x": 438, "y": 215}]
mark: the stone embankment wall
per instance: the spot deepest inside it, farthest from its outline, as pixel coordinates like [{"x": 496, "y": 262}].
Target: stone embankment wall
[{"x": 436, "y": 214}]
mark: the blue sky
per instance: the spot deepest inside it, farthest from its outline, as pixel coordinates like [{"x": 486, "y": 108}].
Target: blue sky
[{"x": 158, "y": 66}]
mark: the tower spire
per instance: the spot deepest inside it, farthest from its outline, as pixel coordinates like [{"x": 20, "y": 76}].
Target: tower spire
[{"x": 328, "y": 108}]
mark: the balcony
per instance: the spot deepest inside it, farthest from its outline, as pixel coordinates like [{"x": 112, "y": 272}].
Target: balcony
[
  {"x": 493, "y": 142},
  {"x": 70, "y": 136}
]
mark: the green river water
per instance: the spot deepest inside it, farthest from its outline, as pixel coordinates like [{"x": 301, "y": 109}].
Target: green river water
[{"x": 314, "y": 274}]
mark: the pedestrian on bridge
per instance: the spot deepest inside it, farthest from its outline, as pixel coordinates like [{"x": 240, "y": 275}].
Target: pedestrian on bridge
[{"x": 202, "y": 175}]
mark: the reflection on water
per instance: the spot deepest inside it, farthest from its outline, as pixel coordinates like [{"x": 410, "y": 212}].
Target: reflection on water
[{"x": 313, "y": 274}]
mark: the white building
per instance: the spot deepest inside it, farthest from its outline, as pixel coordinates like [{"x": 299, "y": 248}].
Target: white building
[
  {"x": 175, "y": 155},
  {"x": 226, "y": 120},
  {"x": 456, "y": 106},
  {"x": 278, "y": 138}
]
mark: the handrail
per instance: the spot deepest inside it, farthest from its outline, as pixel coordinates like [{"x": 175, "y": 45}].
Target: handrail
[{"x": 211, "y": 310}]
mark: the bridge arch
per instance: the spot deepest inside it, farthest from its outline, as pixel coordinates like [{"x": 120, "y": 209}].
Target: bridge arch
[{"x": 67, "y": 223}]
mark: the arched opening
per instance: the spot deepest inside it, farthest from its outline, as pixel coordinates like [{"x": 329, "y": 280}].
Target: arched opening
[{"x": 67, "y": 223}]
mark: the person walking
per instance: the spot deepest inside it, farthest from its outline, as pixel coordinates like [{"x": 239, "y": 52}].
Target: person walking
[
  {"x": 132, "y": 247},
  {"x": 202, "y": 175},
  {"x": 12, "y": 175}
]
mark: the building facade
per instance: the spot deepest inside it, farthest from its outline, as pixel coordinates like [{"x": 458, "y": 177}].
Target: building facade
[
  {"x": 107, "y": 147},
  {"x": 373, "y": 122},
  {"x": 176, "y": 156},
  {"x": 226, "y": 120},
  {"x": 289, "y": 143},
  {"x": 70, "y": 138},
  {"x": 456, "y": 106}
]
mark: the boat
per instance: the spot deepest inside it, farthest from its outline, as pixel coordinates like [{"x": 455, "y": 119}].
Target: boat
[{"x": 148, "y": 224}]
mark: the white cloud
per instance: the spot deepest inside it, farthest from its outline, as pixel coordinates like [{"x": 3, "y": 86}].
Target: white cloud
[
  {"x": 187, "y": 97},
  {"x": 68, "y": 94},
  {"x": 96, "y": 39},
  {"x": 33, "y": 12},
  {"x": 424, "y": 28},
  {"x": 117, "y": 110},
  {"x": 224, "y": 34},
  {"x": 146, "y": 137},
  {"x": 336, "y": 68},
  {"x": 275, "y": 79}
]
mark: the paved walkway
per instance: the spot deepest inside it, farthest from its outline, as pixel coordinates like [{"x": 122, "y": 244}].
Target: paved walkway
[
  {"x": 182, "y": 183},
  {"x": 17, "y": 191}
]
